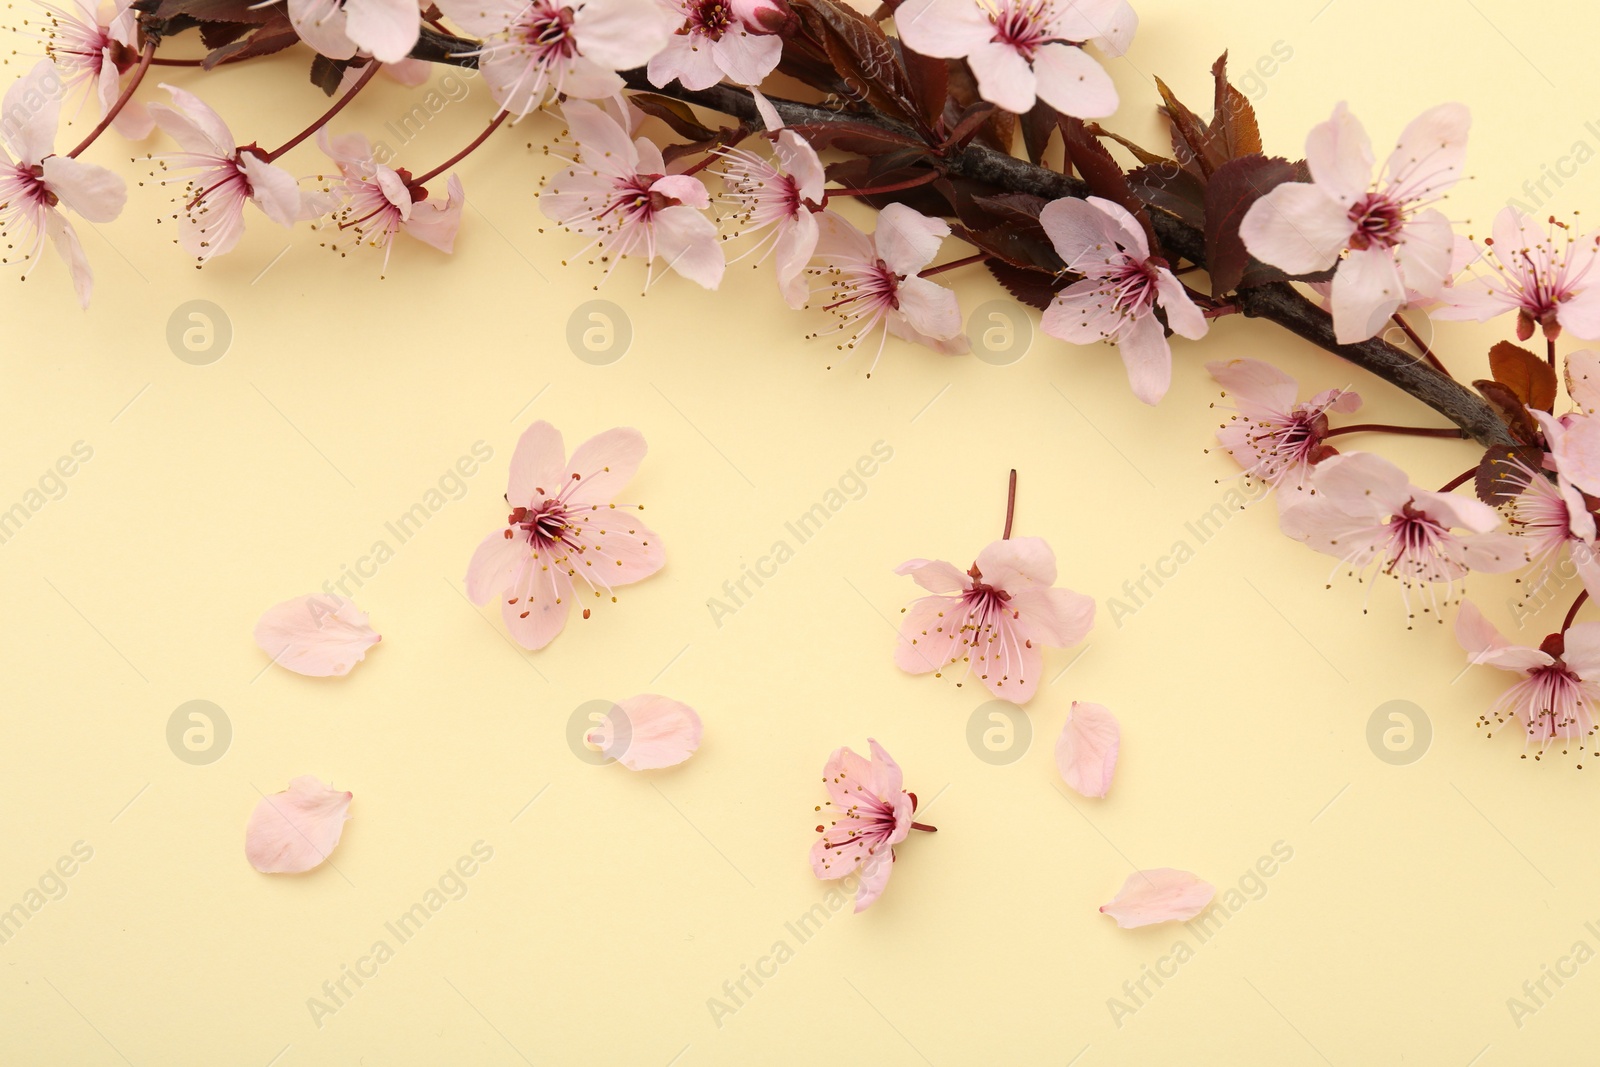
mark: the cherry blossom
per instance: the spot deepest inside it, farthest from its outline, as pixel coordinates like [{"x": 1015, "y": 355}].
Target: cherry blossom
[
  {"x": 339, "y": 29},
  {"x": 993, "y": 618},
  {"x": 536, "y": 49},
  {"x": 1544, "y": 275},
  {"x": 875, "y": 284},
  {"x": 1389, "y": 235},
  {"x": 297, "y": 829},
  {"x": 563, "y": 526},
  {"x": 713, "y": 43},
  {"x": 647, "y": 732},
  {"x": 1160, "y": 895},
  {"x": 1023, "y": 50},
  {"x": 1574, "y": 443},
  {"x": 1551, "y": 515},
  {"x": 38, "y": 184},
  {"x": 317, "y": 635},
  {"x": 1270, "y": 435},
  {"x": 1364, "y": 511},
  {"x": 376, "y": 202},
  {"x": 780, "y": 197},
  {"x": 1560, "y": 680},
  {"x": 1121, "y": 287},
  {"x": 228, "y": 176},
  {"x": 618, "y": 192},
  {"x": 94, "y": 45},
  {"x": 871, "y": 814}
]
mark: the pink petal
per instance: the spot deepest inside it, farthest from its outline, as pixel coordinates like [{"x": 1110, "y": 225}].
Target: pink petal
[
  {"x": 436, "y": 224},
  {"x": 1086, "y": 752},
  {"x": 1255, "y": 384},
  {"x": 194, "y": 125},
  {"x": 67, "y": 245},
  {"x": 537, "y": 606},
  {"x": 1059, "y": 618},
  {"x": 1147, "y": 357},
  {"x": 907, "y": 240},
  {"x": 386, "y": 28},
  {"x": 1339, "y": 155},
  {"x": 1485, "y": 644},
  {"x": 93, "y": 192},
  {"x": 1069, "y": 80},
  {"x": 874, "y": 873},
  {"x": 648, "y": 731},
  {"x": 1296, "y": 227},
  {"x": 1430, "y": 153},
  {"x": 689, "y": 243},
  {"x": 1158, "y": 896},
  {"x": 621, "y": 34},
  {"x": 1005, "y": 77},
  {"x": 1583, "y": 378},
  {"x": 927, "y": 633},
  {"x": 947, "y": 29},
  {"x": 29, "y": 112},
  {"x": 495, "y": 565},
  {"x": 1015, "y": 562},
  {"x": 934, "y": 575},
  {"x": 1366, "y": 290},
  {"x": 605, "y": 464},
  {"x": 297, "y": 829},
  {"x": 316, "y": 635},
  {"x": 537, "y": 465}
]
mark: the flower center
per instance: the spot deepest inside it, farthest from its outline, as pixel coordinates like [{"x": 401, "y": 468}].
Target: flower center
[
  {"x": 547, "y": 30},
  {"x": 1377, "y": 220},
  {"x": 711, "y": 18},
  {"x": 545, "y": 525}
]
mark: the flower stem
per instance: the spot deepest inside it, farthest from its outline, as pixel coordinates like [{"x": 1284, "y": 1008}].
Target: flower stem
[
  {"x": 145, "y": 56},
  {"x": 953, "y": 264},
  {"x": 1459, "y": 480},
  {"x": 1011, "y": 504},
  {"x": 366, "y": 76},
  {"x": 1550, "y": 351},
  {"x": 1410, "y": 431},
  {"x": 1422, "y": 346},
  {"x": 1572, "y": 612},
  {"x": 924, "y": 826},
  {"x": 159, "y": 62},
  {"x": 910, "y": 183},
  {"x": 459, "y": 156}
]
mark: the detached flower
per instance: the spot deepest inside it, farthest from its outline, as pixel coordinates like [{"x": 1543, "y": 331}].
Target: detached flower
[
  {"x": 39, "y": 183},
  {"x": 1546, "y": 276},
  {"x": 536, "y": 49},
  {"x": 1022, "y": 50},
  {"x": 95, "y": 45},
  {"x": 1560, "y": 680},
  {"x": 228, "y": 176},
  {"x": 781, "y": 198},
  {"x": 1272, "y": 437},
  {"x": 993, "y": 618},
  {"x": 1391, "y": 238},
  {"x": 713, "y": 43},
  {"x": 876, "y": 286},
  {"x": 619, "y": 192},
  {"x": 297, "y": 829},
  {"x": 563, "y": 526},
  {"x": 1365, "y": 512},
  {"x": 1122, "y": 284},
  {"x": 377, "y": 202},
  {"x": 316, "y": 635},
  {"x": 871, "y": 814}
]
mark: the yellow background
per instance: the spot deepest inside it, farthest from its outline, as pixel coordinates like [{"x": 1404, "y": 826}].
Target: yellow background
[{"x": 1418, "y": 900}]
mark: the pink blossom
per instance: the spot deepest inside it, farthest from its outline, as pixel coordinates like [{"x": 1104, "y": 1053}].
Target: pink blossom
[
  {"x": 563, "y": 526},
  {"x": 1392, "y": 240},
  {"x": 1364, "y": 511},
  {"x": 339, "y": 29},
  {"x": 647, "y": 732},
  {"x": 297, "y": 829},
  {"x": 618, "y": 192},
  {"x": 38, "y": 183},
  {"x": 1122, "y": 284},
  {"x": 781, "y": 197},
  {"x": 1086, "y": 751},
  {"x": 1574, "y": 443},
  {"x": 770, "y": 16},
  {"x": 875, "y": 283},
  {"x": 713, "y": 43},
  {"x": 1271, "y": 436},
  {"x": 376, "y": 202},
  {"x": 1551, "y": 515},
  {"x": 94, "y": 45},
  {"x": 871, "y": 814},
  {"x": 536, "y": 49},
  {"x": 993, "y": 618},
  {"x": 1542, "y": 275},
  {"x": 1163, "y": 894},
  {"x": 1022, "y": 50},
  {"x": 227, "y": 176},
  {"x": 318, "y": 636},
  {"x": 1560, "y": 680}
]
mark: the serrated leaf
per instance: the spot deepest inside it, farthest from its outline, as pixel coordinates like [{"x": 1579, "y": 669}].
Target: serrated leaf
[
  {"x": 1508, "y": 405},
  {"x": 1037, "y": 125},
  {"x": 1233, "y": 131},
  {"x": 1190, "y": 136},
  {"x": 1525, "y": 374},
  {"x": 678, "y": 116},
  {"x": 1023, "y": 245},
  {"x": 1102, "y": 174},
  {"x": 326, "y": 74},
  {"x": 1503, "y": 472},
  {"x": 862, "y": 55},
  {"x": 1034, "y": 288},
  {"x": 1169, "y": 188},
  {"x": 1234, "y": 187}
]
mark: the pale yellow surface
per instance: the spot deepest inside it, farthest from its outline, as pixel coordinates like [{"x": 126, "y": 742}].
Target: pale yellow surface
[{"x": 1418, "y": 898}]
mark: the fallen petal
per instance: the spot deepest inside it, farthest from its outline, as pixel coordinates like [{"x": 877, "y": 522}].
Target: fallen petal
[
  {"x": 1158, "y": 896},
  {"x": 647, "y": 732},
  {"x": 1086, "y": 752},
  {"x": 316, "y": 635},
  {"x": 297, "y": 829}
]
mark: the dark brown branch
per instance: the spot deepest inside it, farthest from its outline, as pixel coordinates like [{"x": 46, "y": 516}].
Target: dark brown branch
[{"x": 1278, "y": 302}]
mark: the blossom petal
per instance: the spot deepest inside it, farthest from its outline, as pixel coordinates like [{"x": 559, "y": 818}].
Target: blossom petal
[
  {"x": 1430, "y": 153},
  {"x": 1086, "y": 751},
  {"x": 647, "y": 732},
  {"x": 1183, "y": 314},
  {"x": 689, "y": 243},
  {"x": 388, "y": 29},
  {"x": 1071, "y": 81},
  {"x": 316, "y": 635},
  {"x": 297, "y": 829},
  {"x": 930, "y": 627},
  {"x": 1159, "y": 895},
  {"x": 1004, "y": 75},
  {"x": 1582, "y": 650},
  {"x": 93, "y": 192},
  {"x": 604, "y": 465},
  {"x": 1339, "y": 156},
  {"x": 536, "y": 611},
  {"x": 495, "y": 565},
  {"x": 1486, "y": 645},
  {"x": 30, "y": 111},
  {"x": 1296, "y": 227},
  {"x": 1148, "y": 359},
  {"x": 1366, "y": 290},
  {"x": 907, "y": 240},
  {"x": 1014, "y": 562},
  {"x": 1059, "y": 618},
  {"x": 194, "y": 125},
  {"x": 65, "y": 240},
  {"x": 621, "y": 34},
  {"x": 874, "y": 874},
  {"x": 538, "y": 466},
  {"x": 945, "y": 29},
  {"x": 1259, "y": 388},
  {"x": 1583, "y": 378}
]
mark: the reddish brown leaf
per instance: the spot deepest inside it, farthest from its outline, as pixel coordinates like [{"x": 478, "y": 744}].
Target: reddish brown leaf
[
  {"x": 929, "y": 79},
  {"x": 1233, "y": 131},
  {"x": 1169, "y": 188},
  {"x": 1031, "y": 287},
  {"x": 1508, "y": 405},
  {"x": 1102, "y": 174},
  {"x": 1190, "y": 136},
  {"x": 1234, "y": 187},
  {"x": 1037, "y": 126},
  {"x": 863, "y": 56},
  {"x": 1503, "y": 472},
  {"x": 675, "y": 113},
  {"x": 1525, "y": 374}
]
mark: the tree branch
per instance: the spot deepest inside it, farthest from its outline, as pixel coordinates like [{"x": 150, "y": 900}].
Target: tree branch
[{"x": 1278, "y": 302}]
